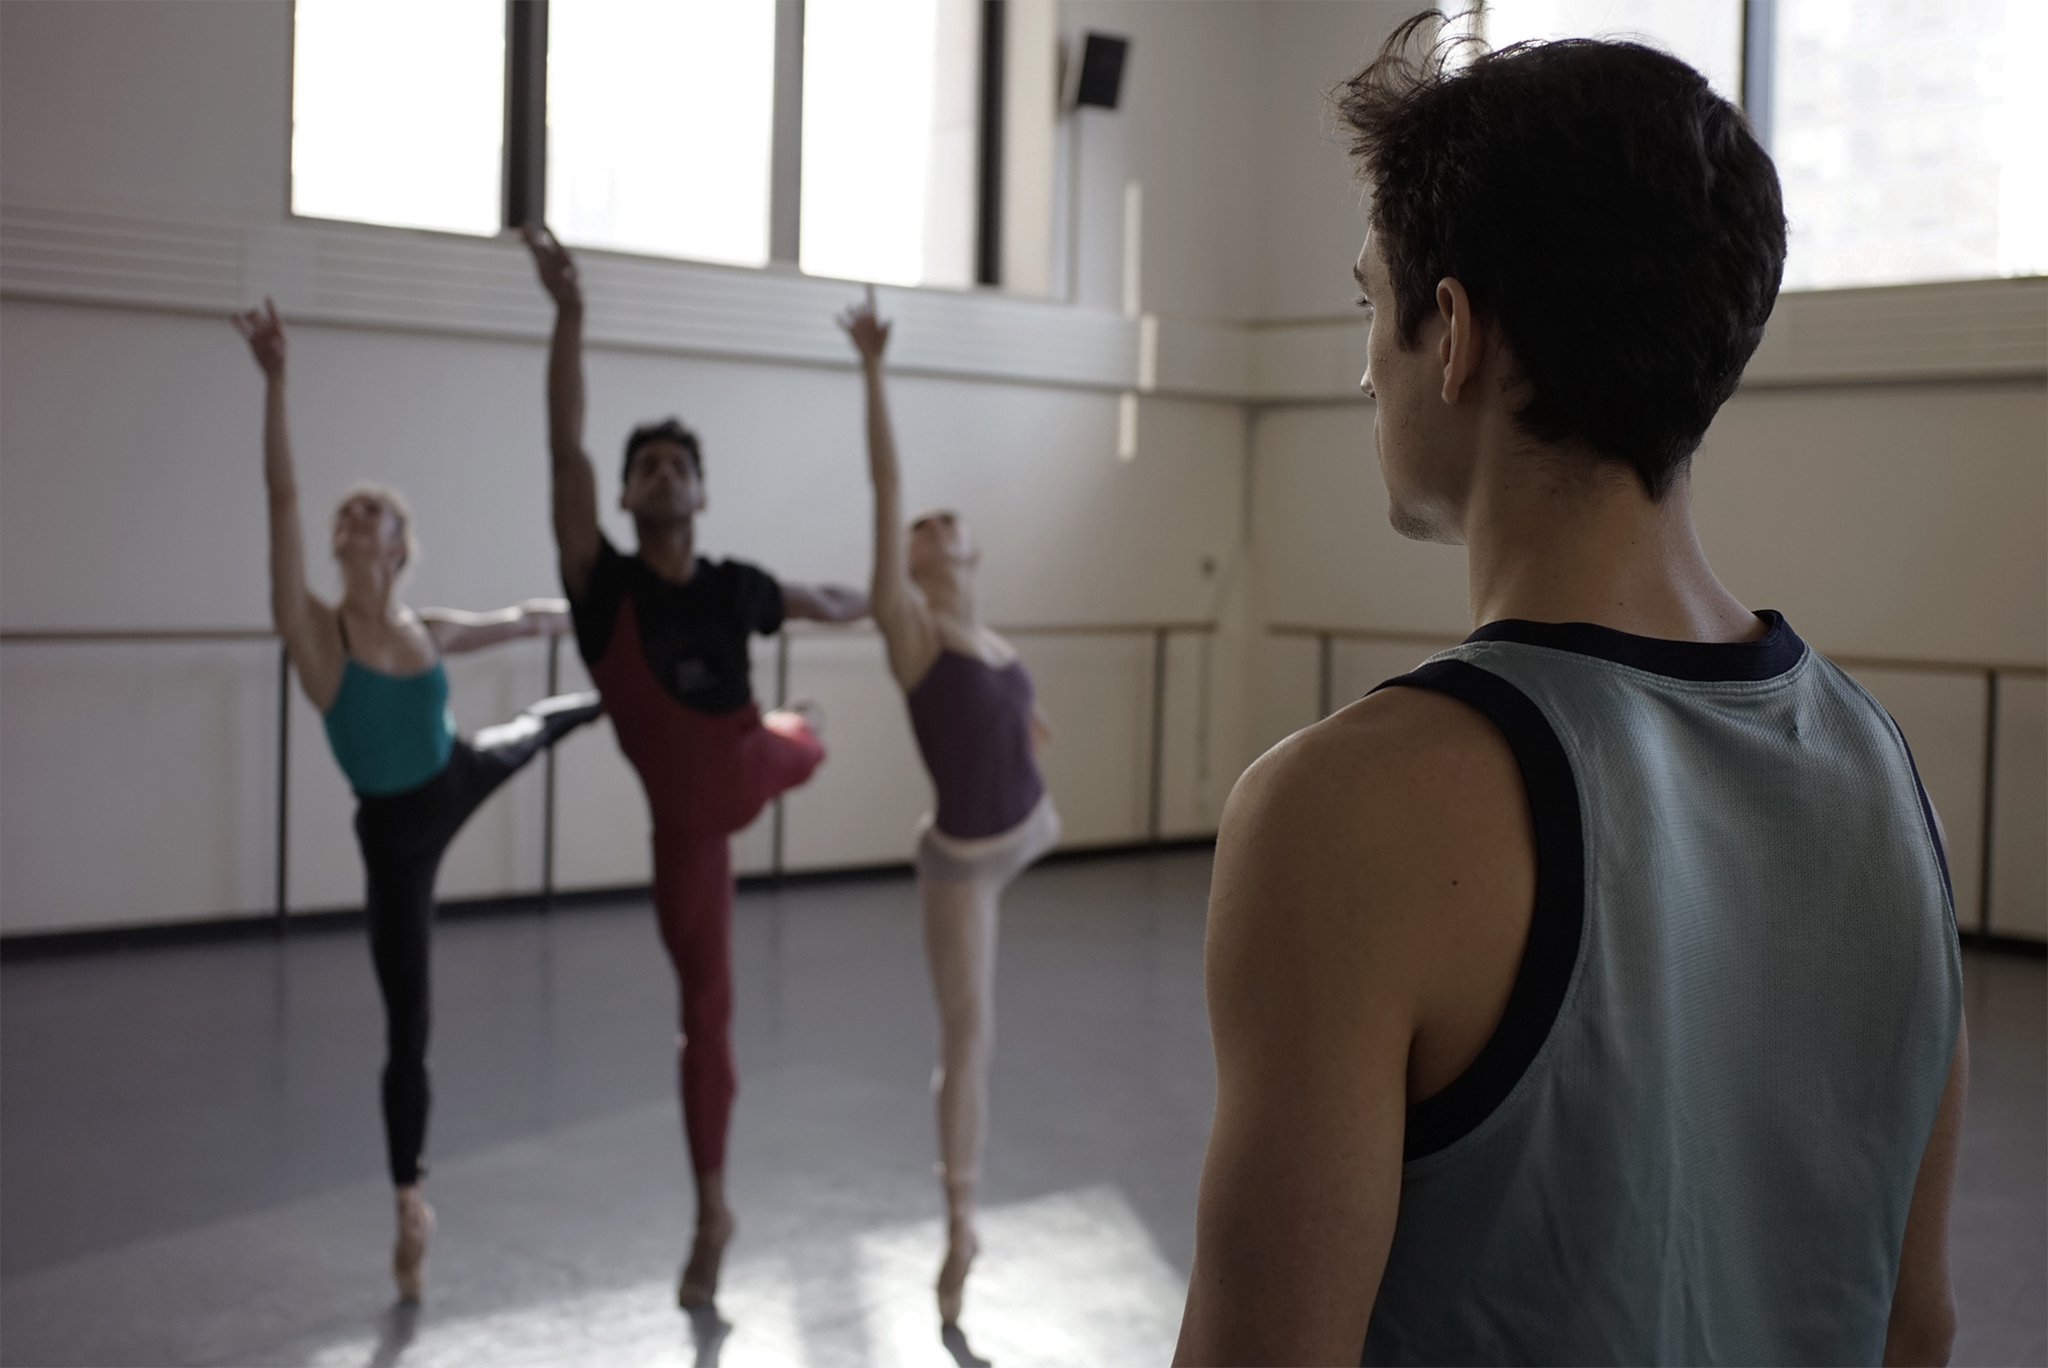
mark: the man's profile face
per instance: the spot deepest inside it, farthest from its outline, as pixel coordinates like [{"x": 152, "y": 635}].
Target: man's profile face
[{"x": 1412, "y": 429}]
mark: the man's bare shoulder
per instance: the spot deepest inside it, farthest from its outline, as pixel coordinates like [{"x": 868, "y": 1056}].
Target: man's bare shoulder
[
  {"x": 1385, "y": 845},
  {"x": 1394, "y": 762}
]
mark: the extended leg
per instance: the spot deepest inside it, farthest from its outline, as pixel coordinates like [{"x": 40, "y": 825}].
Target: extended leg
[
  {"x": 509, "y": 745},
  {"x": 960, "y": 948},
  {"x": 693, "y": 897}
]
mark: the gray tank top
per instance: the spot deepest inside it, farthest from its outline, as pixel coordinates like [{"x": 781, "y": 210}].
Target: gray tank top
[{"x": 1694, "y": 1135}]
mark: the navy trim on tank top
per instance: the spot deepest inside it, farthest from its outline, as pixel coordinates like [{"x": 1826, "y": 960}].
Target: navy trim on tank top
[
  {"x": 1703, "y": 662},
  {"x": 1555, "y": 923},
  {"x": 1948, "y": 884}
]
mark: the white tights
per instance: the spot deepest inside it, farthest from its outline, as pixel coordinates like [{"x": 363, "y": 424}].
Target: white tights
[
  {"x": 960, "y": 884},
  {"x": 960, "y": 947}
]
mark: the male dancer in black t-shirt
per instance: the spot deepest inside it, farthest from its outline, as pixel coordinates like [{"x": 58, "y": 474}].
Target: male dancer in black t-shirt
[{"x": 664, "y": 633}]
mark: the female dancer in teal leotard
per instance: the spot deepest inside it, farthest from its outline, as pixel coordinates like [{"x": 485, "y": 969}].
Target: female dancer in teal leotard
[{"x": 372, "y": 666}]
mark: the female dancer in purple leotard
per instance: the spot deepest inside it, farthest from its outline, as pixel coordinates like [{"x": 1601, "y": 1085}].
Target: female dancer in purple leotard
[{"x": 978, "y": 728}]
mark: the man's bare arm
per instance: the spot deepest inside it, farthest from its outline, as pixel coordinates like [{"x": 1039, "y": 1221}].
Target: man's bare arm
[
  {"x": 1923, "y": 1321},
  {"x": 574, "y": 483},
  {"x": 1302, "y": 1178},
  {"x": 1373, "y": 882}
]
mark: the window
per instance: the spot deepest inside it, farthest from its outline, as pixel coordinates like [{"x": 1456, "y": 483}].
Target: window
[
  {"x": 1706, "y": 33},
  {"x": 1906, "y": 132},
  {"x": 398, "y": 112},
  {"x": 660, "y": 117},
  {"x": 891, "y": 120},
  {"x": 672, "y": 127},
  {"x": 1907, "y": 135}
]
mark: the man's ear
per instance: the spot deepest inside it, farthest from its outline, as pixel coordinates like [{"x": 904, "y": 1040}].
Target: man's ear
[{"x": 1462, "y": 340}]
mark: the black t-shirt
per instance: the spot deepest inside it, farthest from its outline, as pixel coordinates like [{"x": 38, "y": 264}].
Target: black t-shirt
[{"x": 694, "y": 635}]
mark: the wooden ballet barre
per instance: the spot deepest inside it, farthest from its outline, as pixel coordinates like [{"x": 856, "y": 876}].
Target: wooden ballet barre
[
  {"x": 2018, "y": 669},
  {"x": 96, "y": 635},
  {"x": 810, "y": 629}
]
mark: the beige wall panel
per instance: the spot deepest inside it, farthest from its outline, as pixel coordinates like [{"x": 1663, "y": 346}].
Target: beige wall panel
[
  {"x": 1097, "y": 693},
  {"x": 1319, "y": 518},
  {"x": 861, "y": 805},
  {"x": 136, "y": 782},
  {"x": 1194, "y": 779},
  {"x": 2019, "y": 824},
  {"x": 1358, "y": 667},
  {"x": 1286, "y": 696},
  {"x": 1894, "y": 521}
]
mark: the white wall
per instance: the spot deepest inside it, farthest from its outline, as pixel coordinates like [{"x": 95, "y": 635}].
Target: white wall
[
  {"x": 139, "y": 780},
  {"x": 1889, "y": 520}
]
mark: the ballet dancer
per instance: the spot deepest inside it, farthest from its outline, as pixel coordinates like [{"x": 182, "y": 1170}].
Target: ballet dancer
[
  {"x": 1589, "y": 994},
  {"x": 664, "y": 632},
  {"x": 372, "y": 666},
  {"x": 978, "y": 729}
]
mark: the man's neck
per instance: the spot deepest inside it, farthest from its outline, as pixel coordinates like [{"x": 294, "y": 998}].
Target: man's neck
[
  {"x": 1566, "y": 539},
  {"x": 669, "y": 549}
]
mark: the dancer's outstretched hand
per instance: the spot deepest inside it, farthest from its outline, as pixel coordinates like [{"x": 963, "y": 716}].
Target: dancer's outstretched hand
[
  {"x": 869, "y": 332},
  {"x": 557, "y": 268},
  {"x": 263, "y": 330}
]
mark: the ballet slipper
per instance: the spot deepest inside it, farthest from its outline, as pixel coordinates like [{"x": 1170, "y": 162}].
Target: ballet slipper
[
  {"x": 699, "y": 1281},
  {"x": 409, "y": 1255},
  {"x": 961, "y": 1247}
]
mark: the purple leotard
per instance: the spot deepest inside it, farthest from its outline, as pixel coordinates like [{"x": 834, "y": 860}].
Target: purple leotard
[{"x": 973, "y": 724}]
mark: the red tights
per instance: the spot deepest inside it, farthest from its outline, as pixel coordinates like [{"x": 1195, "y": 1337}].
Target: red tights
[{"x": 707, "y": 775}]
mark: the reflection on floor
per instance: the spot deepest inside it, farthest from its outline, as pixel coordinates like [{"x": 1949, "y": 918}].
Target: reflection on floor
[{"x": 190, "y": 1163}]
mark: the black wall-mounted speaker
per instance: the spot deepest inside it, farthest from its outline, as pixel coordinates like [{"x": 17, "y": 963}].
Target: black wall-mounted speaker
[{"x": 1102, "y": 70}]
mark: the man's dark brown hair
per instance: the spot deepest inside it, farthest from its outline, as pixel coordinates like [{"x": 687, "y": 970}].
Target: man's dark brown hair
[
  {"x": 667, "y": 430},
  {"x": 1614, "y": 216}
]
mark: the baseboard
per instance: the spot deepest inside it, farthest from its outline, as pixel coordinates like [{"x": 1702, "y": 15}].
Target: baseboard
[
  {"x": 2023, "y": 946},
  {"x": 30, "y": 945}
]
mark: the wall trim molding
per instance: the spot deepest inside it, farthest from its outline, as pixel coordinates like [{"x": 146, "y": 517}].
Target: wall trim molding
[{"x": 354, "y": 275}]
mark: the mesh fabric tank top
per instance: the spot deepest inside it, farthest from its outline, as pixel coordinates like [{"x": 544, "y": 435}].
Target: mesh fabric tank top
[
  {"x": 973, "y": 725},
  {"x": 390, "y": 733},
  {"x": 1694, "y": 1136}
]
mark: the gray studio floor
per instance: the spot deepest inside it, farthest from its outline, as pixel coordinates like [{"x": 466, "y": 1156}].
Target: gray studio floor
[{"x": 191, "y": 1166}]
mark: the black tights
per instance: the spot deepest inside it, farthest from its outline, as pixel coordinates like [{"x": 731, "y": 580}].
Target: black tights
[{"x": 402, "y": 836}]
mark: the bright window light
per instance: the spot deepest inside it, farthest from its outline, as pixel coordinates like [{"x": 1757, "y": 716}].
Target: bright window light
[
  {"x": 398, "y": 112},
  {"x": 1908, "y": 138},
  {"x": 660, "y": 126},
  {"x": 890, "y": 91},
  {"x": 1705, "y": 33}
]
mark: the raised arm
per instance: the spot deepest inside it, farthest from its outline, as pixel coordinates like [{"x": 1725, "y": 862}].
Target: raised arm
[
  {"x": 456, "y": 631},
  {"x": 899, "y": 609},
  {"x": 574, "y": 483},
  {"x": 304, "y": 623}
]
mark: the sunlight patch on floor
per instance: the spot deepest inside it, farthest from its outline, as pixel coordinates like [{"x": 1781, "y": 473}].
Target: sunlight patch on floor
[{"x": 1070, "y": 1279}]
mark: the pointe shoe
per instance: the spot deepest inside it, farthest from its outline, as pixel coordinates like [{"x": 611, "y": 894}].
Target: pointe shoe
[
  {"x": 409, "y": 1256},
  {"x": 961, "y": 1246},
  {"x": 698, "y": 1284}
]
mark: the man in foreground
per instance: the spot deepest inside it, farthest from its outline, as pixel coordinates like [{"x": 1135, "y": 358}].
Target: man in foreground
[
  {"x": 665, "y": 633},
  {"x": 1592, "y": 993}
]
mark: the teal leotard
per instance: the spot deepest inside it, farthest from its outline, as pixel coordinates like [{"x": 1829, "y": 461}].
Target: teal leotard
[{"x": 390, "y": 733}]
